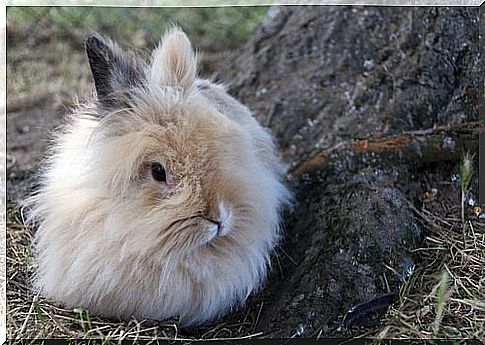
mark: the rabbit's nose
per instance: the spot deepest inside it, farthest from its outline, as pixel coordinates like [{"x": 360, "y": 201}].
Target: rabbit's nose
[
  {"x": 214, "y": 228},
  {"x": 216, "y": 223}
]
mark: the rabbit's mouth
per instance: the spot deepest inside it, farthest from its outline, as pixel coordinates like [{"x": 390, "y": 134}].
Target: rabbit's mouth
[
  {"x": 217, "y": 223},
  {"x": 211, "y": 228}
]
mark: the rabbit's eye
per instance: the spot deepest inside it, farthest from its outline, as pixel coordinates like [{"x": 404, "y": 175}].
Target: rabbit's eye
[{"x": 158, "y": 172}]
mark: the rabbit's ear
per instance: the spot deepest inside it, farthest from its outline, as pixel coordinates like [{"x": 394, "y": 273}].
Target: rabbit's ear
[
  {"x": 112, "y": 70},
  {"x": 174, "y": 62}
]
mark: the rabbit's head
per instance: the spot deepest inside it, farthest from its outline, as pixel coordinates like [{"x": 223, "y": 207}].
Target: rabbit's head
[{"x": 168, "y": 159}]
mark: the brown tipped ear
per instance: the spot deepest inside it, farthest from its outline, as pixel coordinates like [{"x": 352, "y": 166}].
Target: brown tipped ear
[
  {"x": 112, "y": 70},
  {"x": 174, "y": 62}
]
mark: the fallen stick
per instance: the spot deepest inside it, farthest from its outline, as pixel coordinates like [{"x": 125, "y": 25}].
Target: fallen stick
[{"x": 430, "y": 145}]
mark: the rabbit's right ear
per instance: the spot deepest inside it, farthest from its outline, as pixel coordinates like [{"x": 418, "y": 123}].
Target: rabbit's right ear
[
  {"x": 174, "y": 62},
  {"x": 112, "y": 70}
]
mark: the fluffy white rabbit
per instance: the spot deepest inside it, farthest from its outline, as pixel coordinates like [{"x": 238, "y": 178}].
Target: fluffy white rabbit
[{"x": 161, "y": 196}]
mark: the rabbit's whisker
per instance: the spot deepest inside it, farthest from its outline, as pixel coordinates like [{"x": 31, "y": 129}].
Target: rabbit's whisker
[{"x": 182, "y": 220}]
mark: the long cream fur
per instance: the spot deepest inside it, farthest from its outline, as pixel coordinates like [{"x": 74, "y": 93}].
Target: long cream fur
[{"x": 115, "y": 241}]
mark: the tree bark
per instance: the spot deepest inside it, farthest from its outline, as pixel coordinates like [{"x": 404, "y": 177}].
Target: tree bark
[{"x": 321, "y": 75}]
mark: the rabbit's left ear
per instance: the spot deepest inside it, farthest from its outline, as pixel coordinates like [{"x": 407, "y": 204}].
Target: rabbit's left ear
[
  {"x": 112, "y": 70},
  {"x": 174, "y": 62}
]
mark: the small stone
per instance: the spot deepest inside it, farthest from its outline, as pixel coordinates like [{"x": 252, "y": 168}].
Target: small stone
[
  {"x": 448, "y": 143},
  {"x": 369, "y": 65},
  {"x": 299, "y": 330},
  {"x": 471, "y": 202}
]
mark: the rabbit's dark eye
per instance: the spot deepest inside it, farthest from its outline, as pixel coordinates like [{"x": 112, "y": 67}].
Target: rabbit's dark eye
[{"x": 158, "y": 172}]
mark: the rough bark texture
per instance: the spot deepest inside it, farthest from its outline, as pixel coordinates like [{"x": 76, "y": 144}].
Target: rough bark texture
[
  {"x": 369, "y": 105},
  {"x": 320, "y": 75}
]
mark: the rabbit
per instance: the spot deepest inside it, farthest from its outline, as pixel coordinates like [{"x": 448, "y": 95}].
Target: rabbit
[{"x": 161, "y": 196}]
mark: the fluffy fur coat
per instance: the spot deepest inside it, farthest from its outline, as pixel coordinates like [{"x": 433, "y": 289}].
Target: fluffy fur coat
[{"x": 191, "y": 242}]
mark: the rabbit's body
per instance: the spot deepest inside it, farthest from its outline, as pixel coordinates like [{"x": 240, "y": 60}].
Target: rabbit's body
[{"x": 159, "y": 199}]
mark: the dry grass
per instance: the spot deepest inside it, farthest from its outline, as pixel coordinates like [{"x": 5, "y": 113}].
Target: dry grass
[{"x": 444, "y": 298}]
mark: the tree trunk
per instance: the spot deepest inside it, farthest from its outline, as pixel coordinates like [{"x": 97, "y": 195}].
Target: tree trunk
[
  {"x": 370, "y": 107},
  {"x": 320, "y": 75}
]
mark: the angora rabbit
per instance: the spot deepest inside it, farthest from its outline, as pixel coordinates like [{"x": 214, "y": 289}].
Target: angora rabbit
[{"x": 161, "y": 197}]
